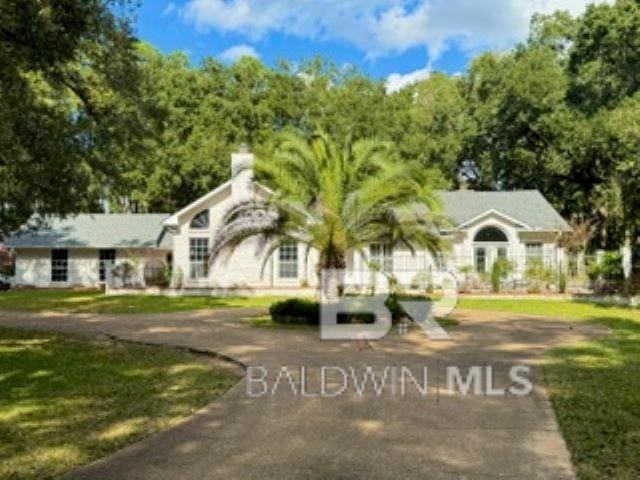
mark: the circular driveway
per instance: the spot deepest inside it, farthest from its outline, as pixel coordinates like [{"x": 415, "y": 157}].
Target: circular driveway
[{"x": 274, "y": 427}]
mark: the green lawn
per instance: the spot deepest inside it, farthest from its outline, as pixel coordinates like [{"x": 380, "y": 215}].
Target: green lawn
[
  {"x": 91, "y": 301},
  {"x": 264, "y": 321},
  {"x": 66, "y": 401},
  {"x": 594, "y": 387}
]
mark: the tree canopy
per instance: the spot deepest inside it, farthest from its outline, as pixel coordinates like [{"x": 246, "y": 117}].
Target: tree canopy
[
  {"x": 67, "y": 103},
  {"x": 97, "y": 115}
]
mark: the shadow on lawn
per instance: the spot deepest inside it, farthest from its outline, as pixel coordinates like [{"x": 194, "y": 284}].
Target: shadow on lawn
[
  {"x": 94, "y": 301},
  {"x": 65, "y": 401},
  {"x": 595, "y": 389}
]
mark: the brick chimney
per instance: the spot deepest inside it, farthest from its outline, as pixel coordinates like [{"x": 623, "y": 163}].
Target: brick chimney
[{"x": 242, "y": 174}]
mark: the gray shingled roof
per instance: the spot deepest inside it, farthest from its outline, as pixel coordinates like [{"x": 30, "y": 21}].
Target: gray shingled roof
[
  {"x": 527, "y": 206},
  {"x": 146, "y": 230},
  {"x": 95, "y": 231}
]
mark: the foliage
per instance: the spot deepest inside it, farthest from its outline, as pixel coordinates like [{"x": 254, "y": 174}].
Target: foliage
[
  {"x": 593, "y": 385},
  {"x": 571, "y": 129},
  {"x": 295, "y": 311},
  {"x": 562, "y": 282},
  {"x": 578, "y": 238},
  {"x": 68, "y": 106},
  {"x": 538, "y": 275},
  {"x": 499, "y": 271},
  {"x": 609, "y": 267},
  {"x": 8, "y": 270},
  {"x": 423, "y": 281},
  {"x": 336, "y": 197},
  {"x": 98, "y": 116},
  {"x": 84, "y": 399},
  {"x": 298, "y": 311}
]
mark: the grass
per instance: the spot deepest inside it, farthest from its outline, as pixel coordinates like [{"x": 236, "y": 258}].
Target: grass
[
  {"x": 93, "y": 301},
  {"x": 594, "y": 386},
  {"x": 265, "y": 321},
  {"x": 66, "y": 401}
]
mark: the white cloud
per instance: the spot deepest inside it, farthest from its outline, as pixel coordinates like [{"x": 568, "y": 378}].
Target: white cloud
[
  {"x": 379, "y": 27},
  {"x": 169, "y": 9},
  {"x": 397, "y": 81},
  {"x": 236, "y": 52},
  {"x": 382, "y": 27}
]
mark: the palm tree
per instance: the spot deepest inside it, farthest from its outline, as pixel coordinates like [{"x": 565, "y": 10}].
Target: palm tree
[{"x": 336, "y": 199}]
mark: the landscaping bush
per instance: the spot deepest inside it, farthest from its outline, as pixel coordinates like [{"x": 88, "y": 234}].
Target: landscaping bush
[
  {"x": 296, "y": 311},
  {"x": 307, "y": 312},
  {"x": 499, "y": 271},
  {"x": 562, "y": 283},
  {"x": 539, "y": 276},
  {"x": 609, "y": 267},
  {"x": 607, "y": 275}
]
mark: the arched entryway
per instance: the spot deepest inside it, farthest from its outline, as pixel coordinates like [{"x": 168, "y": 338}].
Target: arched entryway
[{"x": 489, "y": 244}]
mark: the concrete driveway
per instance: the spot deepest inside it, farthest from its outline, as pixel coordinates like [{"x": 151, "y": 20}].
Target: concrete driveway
[{"x": 348, "y": 436}]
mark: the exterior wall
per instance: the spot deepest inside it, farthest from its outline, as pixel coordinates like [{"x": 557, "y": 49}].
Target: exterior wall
[
  {"x": 463, "y": 245},
  {"x": 33, "y": 266},
  {"x": 407, "y": 267},
  {"x": 245, "y": 267},
  {"x": 242, "y": 270}
]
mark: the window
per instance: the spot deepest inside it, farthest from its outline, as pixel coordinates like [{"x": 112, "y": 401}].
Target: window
[
  {"x": 481, "y": 259},
  {"x": 170, "y": 264},
  {"x": 533, "y": 252},
  {"x": 288, "y": 260},
  {"x": 59, "y": 265},
  {"x": 490, "y": 234},
  {"x": 200, "y": 221},
  {"x": 198, "y": 258},
  {"x": 501, "y": 252},
  {"x": 107, "y": 261},
  {"x": 382, "y": 256}
]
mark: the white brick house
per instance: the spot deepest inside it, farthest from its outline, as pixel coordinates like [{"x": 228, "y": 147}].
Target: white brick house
[{"x": 81, "y": 250}]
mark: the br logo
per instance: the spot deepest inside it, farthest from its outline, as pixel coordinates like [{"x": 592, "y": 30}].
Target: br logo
[{"x": 421, "y": 311}]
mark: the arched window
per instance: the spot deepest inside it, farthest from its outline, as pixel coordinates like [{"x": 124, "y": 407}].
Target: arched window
[
  {"x": 490, "y": 234},
  {"x": 201, "y": 220}
]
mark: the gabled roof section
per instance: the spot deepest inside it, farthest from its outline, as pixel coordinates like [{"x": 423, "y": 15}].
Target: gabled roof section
[
  {"x": 174, "y": 220},
  {"x": 497, "y": 213},
  {"x": 128, "y": 230},
  {"x": 528, "y": 208}
]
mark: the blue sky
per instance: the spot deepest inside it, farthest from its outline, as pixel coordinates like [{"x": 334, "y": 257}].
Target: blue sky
[{"x": 397, "y": 40}]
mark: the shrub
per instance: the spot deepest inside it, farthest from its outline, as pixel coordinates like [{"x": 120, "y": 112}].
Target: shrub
[
  {"x": 501, "y": 268},
  {"x": 422, "y": 281},
  {"x": 609, "y": 267},
  {"x": 607, "y": 274},
  {"x": 538, "y": 275},
  {"x": 296, "y": 311},
  {"x": 307, "y": 312},
  {"x": 562, "y": 283}
]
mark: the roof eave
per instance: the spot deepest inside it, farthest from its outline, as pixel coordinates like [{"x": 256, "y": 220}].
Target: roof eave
[
  {"x": 492, "y": 211},
  {"x": 174, "y": 220}
]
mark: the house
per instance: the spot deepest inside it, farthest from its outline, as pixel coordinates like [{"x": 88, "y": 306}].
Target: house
[{"x": 520, "y": 226}]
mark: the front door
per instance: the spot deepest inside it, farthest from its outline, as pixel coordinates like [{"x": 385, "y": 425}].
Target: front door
[{"x": 486, "y": 255}]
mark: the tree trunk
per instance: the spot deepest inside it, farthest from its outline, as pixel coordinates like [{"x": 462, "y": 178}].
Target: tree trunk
[{"x": 331, "y": 271}]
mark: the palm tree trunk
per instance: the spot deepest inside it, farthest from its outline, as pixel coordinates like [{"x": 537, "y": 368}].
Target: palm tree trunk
[{"x": 331, "y": 271}]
